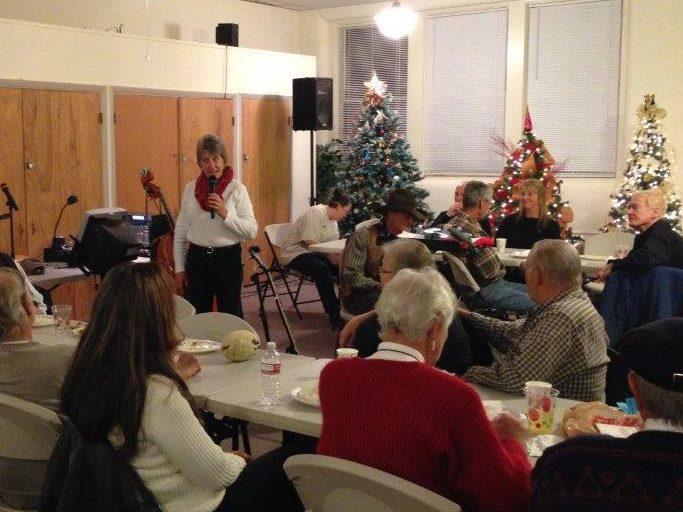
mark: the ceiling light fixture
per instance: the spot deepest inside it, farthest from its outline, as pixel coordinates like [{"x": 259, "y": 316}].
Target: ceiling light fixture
[{"x": 396, "y": 21}]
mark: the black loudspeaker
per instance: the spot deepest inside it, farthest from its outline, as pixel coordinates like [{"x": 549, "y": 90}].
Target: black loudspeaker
[
  {"x": 227, "y": 34},
  {"x": 312, "y": 104}
]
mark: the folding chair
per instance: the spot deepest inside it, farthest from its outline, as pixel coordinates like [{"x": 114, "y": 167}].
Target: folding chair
[
  {"x": 215, "y": 327},
  {"x": 28, "y": 433},
  {"x": 329, "y": 484},
  {"x": 183, "y": 308},
  {"x": 275, "y": 236}
]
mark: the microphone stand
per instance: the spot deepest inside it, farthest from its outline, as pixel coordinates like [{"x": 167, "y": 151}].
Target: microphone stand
[
  {"x": 253, "y": 254},
  {"x": 10, "y": 216}
]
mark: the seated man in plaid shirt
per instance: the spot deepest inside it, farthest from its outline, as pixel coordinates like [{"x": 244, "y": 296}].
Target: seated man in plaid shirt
[
  {"x": 483, "y": 263},
  {"x": 563, "y": 341}
]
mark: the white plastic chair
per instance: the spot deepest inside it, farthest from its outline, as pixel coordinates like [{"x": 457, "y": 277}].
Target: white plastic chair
[
  {"x": 460, "y": 272},
  {"x": 328, "y": 484},
  {"x": 183, "y": 308},
  {"x": 212, "y": 326},
  {"x": 28, "y": 433},
  {"x": 606, "y": 244}
]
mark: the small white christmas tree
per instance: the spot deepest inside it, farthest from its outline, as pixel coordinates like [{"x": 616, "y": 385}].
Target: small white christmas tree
[{"x": 648, "y": 167}]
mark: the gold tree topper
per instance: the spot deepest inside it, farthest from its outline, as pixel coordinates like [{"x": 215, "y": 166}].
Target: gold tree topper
[{"x": 649, "y": 109}]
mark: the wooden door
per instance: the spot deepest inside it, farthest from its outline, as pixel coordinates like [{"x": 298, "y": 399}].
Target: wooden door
[
  {"x": 266, "y": 164},
  {"x": 63, "y": 156},
  {"x": 12, "y": 169},
  {"x": 146, "y": 136},
  {"x": 197, "y": 117}
]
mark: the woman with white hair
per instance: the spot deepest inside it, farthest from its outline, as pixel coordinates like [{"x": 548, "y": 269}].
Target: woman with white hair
[
  {"x": 656, "y": 244},
  {"x": 394, "y": 411}
]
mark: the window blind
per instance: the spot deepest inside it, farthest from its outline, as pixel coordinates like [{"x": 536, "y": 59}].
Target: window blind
[
  {"x": 573, "y": 82},
  {"x": 464, "y": 103},
  {"x": 364, "y": 50}
]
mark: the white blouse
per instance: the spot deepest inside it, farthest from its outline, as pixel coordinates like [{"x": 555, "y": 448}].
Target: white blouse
[{"x": 196, "y": 226}]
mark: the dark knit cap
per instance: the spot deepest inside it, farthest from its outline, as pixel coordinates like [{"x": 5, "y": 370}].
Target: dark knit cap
[{"x": 655, "y": 352}]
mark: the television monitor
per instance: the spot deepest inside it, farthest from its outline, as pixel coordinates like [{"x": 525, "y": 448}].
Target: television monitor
[{"x": 106, "y": 238}]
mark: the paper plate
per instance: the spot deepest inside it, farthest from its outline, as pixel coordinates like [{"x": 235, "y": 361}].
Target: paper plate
[
  {"x": 306, "y": 395},
  {"x": 197, "y": 346}
]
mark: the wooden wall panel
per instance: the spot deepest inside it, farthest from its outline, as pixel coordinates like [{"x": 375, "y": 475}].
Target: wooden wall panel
[
  {"x": 197, "y": 117},
  {"x": 63, "y": 141},
  {"x": 266, "y": 163},
  {"x": 80, "y": 294},
  {"x": 12, "y": 169},
  {"x": 146, "y": 136}
]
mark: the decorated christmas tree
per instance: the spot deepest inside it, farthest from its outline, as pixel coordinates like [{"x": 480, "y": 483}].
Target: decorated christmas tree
[
  {"x": 648, "y": 167},
  {"x": 529, "y": 159},
  {"x": 379, "y": 159}
]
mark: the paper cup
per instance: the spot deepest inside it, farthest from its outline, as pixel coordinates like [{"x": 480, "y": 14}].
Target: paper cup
[
  {"x": 541, "y": 409},
  {"x": 343, "y": 353},
  {"x": 501, "y": 243}
]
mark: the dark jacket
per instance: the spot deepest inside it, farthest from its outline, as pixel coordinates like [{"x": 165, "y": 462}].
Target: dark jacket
[
  {"x": 659, "y": 246},
  {"x": 456, "y": 356},
  {"x": 88, "y": 476},
  {"x": 522, "y": 232},
  {"x": 643, "y": 472}
]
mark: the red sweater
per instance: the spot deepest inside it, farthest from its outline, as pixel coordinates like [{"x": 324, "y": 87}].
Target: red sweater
[{"x": 425, "y": 426}]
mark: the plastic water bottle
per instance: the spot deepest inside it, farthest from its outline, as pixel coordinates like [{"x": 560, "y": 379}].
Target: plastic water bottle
[{"x": 270, "y": 375}]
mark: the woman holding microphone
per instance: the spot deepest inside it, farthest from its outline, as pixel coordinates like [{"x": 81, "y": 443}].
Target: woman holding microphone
[{"x": 215, "y": 216}]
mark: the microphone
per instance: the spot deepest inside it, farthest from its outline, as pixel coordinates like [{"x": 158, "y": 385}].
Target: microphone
[
  {"x": 212, "y": 189},
  {"x": 69, "y": 201},
  {"x": 11, "y": 203}
]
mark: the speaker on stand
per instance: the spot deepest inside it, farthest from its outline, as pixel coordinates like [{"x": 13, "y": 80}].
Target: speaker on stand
[{"x": 312, "y": 110}]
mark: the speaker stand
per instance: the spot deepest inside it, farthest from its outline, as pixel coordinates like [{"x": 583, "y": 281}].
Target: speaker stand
[{"x": 312, "y": 200}]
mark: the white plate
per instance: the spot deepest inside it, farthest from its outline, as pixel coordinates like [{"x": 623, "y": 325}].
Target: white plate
[
  {"x": 520, "y": 254},
  {"x": 197, "y": 346},
  {"x": 43, "y": 321},
  {"x": 592, "y": 257},
  {"x": 298, "y": 395}
]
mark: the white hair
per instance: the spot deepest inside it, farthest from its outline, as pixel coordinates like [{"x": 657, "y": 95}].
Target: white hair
[
  {"x": 655, "y": 198},
  {"x": 557, "y": 261},
  {"x": 413, "y": 300},
  {"x": 12, "y": 292}
]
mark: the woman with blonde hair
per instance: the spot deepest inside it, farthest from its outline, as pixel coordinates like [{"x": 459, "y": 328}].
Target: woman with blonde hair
[{"x": 532, "y": 222}]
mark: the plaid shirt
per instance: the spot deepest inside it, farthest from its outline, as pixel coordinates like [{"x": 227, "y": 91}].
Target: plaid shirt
[
  {"x": 483, "y": 264},
  {"x": 562, "y": 342}
]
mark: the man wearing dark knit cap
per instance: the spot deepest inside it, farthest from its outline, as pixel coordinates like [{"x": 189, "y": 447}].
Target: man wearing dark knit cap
[{"x": 643, "y": 472}]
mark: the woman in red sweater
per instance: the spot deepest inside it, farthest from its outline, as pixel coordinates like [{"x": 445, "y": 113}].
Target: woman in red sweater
[{"x": 394, "y": 411}]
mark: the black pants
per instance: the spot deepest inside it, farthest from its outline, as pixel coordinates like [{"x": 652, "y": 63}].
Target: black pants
[
  {"x": 322, "y": 271},
  {"x": 263, "y": 485},
  {"x": 218, "y": 273}
]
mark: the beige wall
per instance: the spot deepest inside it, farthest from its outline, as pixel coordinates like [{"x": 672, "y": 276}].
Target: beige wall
[
  {"x": 651, "y": 62},
  {"x": 261, "y": 26}
]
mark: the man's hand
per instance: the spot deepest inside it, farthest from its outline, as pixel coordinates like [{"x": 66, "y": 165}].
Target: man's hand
[
  {"x": 509, "y": 427},
  {"x": 604, "y": 272},
  {"x": 348, "y": 333},
  {"x": 464, "y": 313},
  {"x": 187, "y": 366}
]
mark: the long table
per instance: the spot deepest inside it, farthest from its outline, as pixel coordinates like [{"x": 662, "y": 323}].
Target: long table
[
  {"x": 508, "y": 257},
  {"x": 53, "y": 277},
  {"x": 233, "y": 389}
]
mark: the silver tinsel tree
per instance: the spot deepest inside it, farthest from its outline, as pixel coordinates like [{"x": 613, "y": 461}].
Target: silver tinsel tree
[{"x": 648, "y": 167}]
